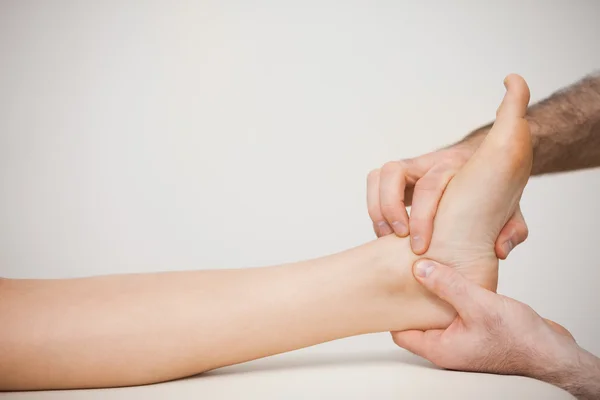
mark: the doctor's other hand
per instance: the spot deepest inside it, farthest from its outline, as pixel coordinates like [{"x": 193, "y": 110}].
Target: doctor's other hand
[
  {"x": 420, "y": 183},
  {"x": 496, "y": 334}
]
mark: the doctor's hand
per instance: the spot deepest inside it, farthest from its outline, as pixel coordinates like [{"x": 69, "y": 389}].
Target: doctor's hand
[
  {"x": 496, "y": 334},
  {"x": 420, "y": 183}
]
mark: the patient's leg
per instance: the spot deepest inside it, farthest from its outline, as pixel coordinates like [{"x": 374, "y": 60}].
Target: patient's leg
[
  {"x": 137, "y": 329},
  {"x": 134, "y": 329}
]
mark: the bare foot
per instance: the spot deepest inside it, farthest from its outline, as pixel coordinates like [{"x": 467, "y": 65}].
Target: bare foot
[
  {"x": 485, "y": 193},
  {"x": 478, "y": 202}
]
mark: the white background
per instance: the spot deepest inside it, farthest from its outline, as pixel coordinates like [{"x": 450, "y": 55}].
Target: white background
[{"x": 147, "y": 136}]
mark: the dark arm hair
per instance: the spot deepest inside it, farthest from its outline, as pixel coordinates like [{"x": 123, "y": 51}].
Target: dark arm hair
[{"x": 565, "y": 128}]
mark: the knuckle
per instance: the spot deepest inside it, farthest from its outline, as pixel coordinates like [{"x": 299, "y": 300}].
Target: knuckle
[
  {"x": 445, "y": 175},
  {"x": 392, "y": 167},
  {"x": 435, "y": 180},
  {"x": 428, "y": 184},
  {"x": 373, "y": 176},
  {"x": 389, "y": 209}
]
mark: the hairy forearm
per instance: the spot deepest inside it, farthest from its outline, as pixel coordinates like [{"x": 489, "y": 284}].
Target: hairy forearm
[
  {"x": 580, "y": 377},
  {"x": 144, "y": 328},
  {"x": 565, "y": 129}
]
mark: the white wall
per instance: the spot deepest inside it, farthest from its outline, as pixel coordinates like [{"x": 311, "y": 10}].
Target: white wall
[{"x": 145, "y": 136}]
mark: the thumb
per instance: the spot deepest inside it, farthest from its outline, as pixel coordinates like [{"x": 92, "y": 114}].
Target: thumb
[{"x": 466, "y": 297}]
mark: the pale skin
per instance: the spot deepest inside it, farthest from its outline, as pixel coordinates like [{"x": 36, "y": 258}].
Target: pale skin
[
  {"x": 137, "y": 329},
  {"x": 125, "y": 330},
  {"x": 494, "y": 333},
  {"x": 565, "y": 129}
]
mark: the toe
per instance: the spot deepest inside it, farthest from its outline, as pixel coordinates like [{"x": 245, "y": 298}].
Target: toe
[
  {"x": 509, "y": 141},
  {"x": 516, "y": 99}
]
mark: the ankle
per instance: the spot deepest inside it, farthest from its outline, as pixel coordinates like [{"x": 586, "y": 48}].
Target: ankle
[
  {"x": 403, "y": 302},
  {"x": 391, "y": 258}
]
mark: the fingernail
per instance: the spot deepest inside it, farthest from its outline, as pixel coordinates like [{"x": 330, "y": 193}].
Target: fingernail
[
  {"x": 384, "y": 228},
  {"x": 417, "y": 243},
  {"x": 508, "y": 246},
  {"x": 424, "y": 268},
  {"x": 400, "y": 228}
]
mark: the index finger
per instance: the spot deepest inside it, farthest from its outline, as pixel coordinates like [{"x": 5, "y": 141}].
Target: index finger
[
  {"x": 426, "y": 198},
  {"x": 391, "y": 196}
]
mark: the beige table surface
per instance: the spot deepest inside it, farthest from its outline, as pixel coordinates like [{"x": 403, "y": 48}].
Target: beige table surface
[{"x": 324, "y": 373}]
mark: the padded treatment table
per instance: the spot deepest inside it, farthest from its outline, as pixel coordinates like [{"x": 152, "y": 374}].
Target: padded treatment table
[{"x": 325, "y": 373}]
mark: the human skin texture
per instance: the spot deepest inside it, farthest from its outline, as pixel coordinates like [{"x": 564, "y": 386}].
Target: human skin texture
[
  {"x": 565, "y": 130},
  {"x": 137, "y": 329},
  {"x": 496, "y": 334}
]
